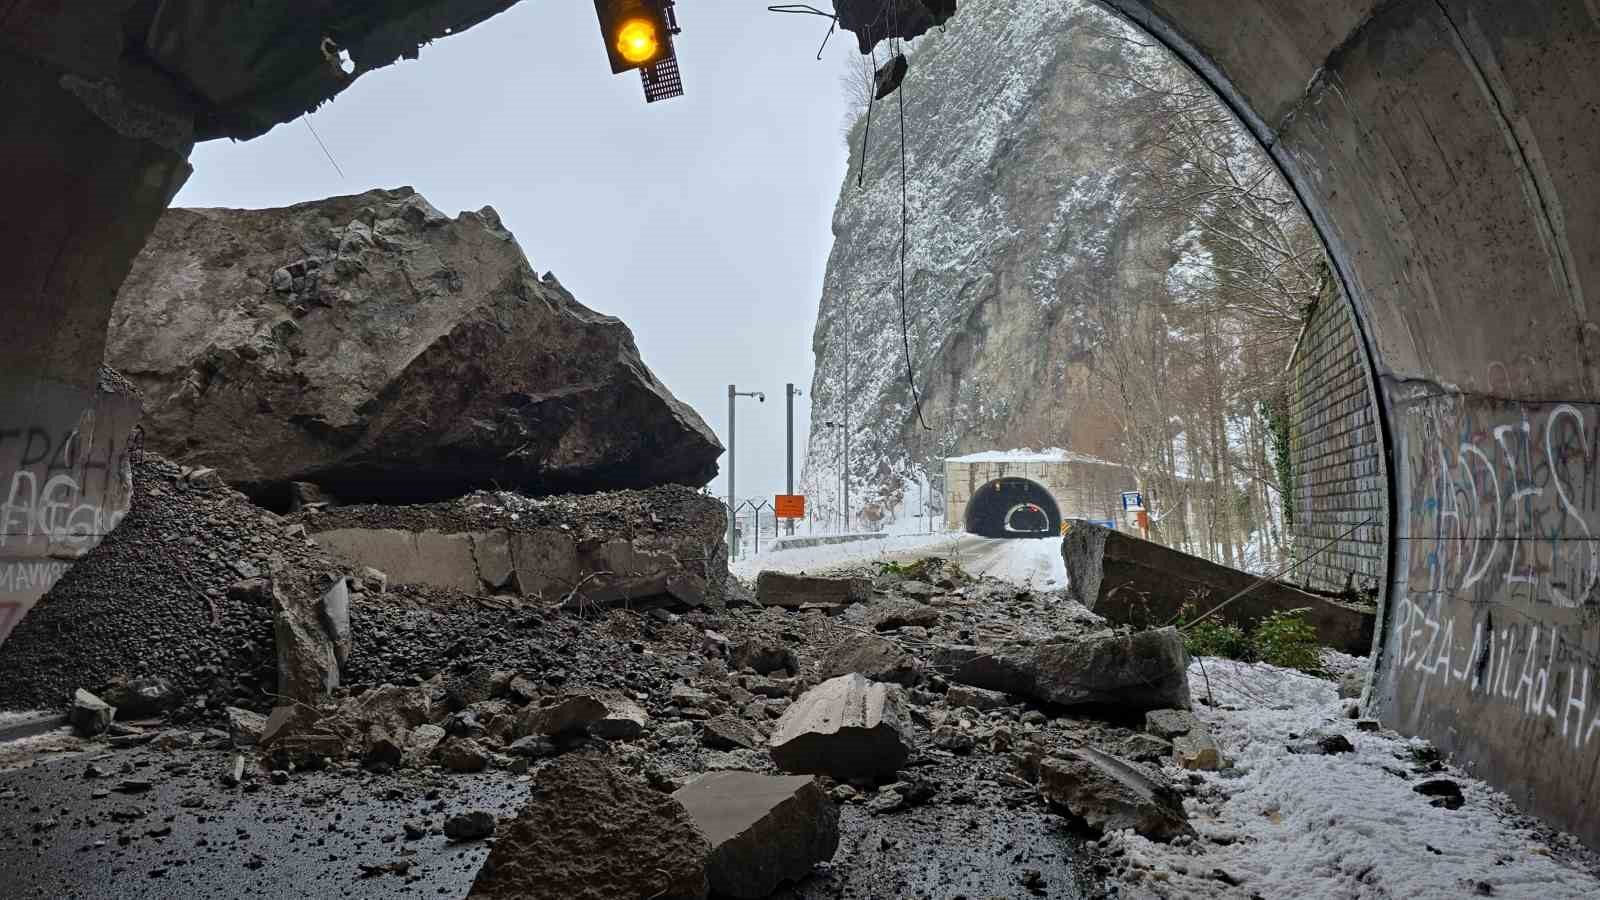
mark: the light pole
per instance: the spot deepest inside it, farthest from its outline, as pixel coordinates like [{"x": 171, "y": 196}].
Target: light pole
[
  {"x": 844, "y": 477},
  {"x": 733, "y": 517},
  {"x": 790, "y": 392}
]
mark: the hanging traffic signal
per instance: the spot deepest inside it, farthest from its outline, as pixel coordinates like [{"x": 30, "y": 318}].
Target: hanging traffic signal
[{"x": 638, "y": 33}]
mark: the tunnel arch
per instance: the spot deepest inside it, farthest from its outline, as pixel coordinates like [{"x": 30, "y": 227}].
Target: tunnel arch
[{"x": 998, "y": 505}]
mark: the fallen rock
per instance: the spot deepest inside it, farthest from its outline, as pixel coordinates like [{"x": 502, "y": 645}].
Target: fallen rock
[
  {"x": 1140, "y": 671},
  {"x": 463, "y": 755},
  {"x": 244, "y": 726},
  {"x": 1193, "y": 746},
  {"x": 1445, "y": 793},
  {"x": 90, "y": 716},
  {"x": 903, "y": 614},
  {"x": 589, "y": 832},
  {"x": 1169, "y": 723},
  {"x": 333, "y": 609},
  {"x": 877, "y": 658},
  {"x": 1326, "y": 745},
  {"x": 308, "y": 668},
  {"x": 847, "y": 727},
  {"x": 358, "y": 370},
  {"x": 763, "y": 657},
  {"x": 728, "y": 733},
  {"x": 1111, "y": 794},
  {"x": 763, "y": 830},
  {"x": 975, "y": 698},
  {"x": 794, "y": 591},
  {"x": 624, "y": 719},
  {"x": 471, "y": 826},
  {"x": 141, "y": 698},
  {"x": 956, "y": 740},
  {"x": 560, "y": 715}
]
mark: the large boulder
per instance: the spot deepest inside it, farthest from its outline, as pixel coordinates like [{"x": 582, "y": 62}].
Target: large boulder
[
  {"x": 1140, "y": 671},
  {"x": 308, "y": 664},
  {"x": 589, "y": 832},
  {"x": 847, "y": 727},
  {"x": 381, "y": 350},
  {"x": 763, "y": 829},
  {"x": 877, "y": 658},
  {"x": 1111, "y": 794}
]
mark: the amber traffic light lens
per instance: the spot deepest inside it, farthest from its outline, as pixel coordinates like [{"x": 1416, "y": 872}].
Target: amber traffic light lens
[{"x": 637, "y": 40}]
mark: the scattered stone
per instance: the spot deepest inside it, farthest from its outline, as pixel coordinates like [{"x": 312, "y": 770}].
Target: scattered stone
[
  {"x": 847, "y": 727},
  {"x": 1169, "y": 723},
  {"x": 132, "y": 786},
  {"x": 463, "y": 755},
  {"x": 244, "y": 727},
  {"x": 1111, "y": 794},
  {"x": 470, "y": 826},
  {"x": 763, "y": 657},
  {"x": 956, "y": 740},
  {"x": 278, "y": 776},
  {"x": 1327, "y": 745},
  {"x": 918, "y": 589},
  {"x": 1445, "y": 793},
  {"x": 795, "y": 591},
  {"x": 975, "y": 697},
  {"x": 141, "y": 698},
  {"x": 235, "y": 773},
  {"x": 561, "y": 715},
  {"x": 1368, "y": 725},
  {"x": 763, "y": 829},
  {"x": 589, "y": 832},
  {"x": 90, "y": 716},
  {"x": 624, "y": 720},
  {"x": 728, "y": 733},
  {"x": 421, "y": 743},
  {"x": 1143, "y": 747},
  {"x": 534, "y": 746},
  {"x": 1143, "y": 670},
  {"x": 902, "y": 614},
  {"x": 1198, "y": 750},
  {"x": 876, "y": 658}
]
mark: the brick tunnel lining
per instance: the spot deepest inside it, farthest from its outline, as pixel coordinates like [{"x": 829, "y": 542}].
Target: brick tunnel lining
[{"x": 993, "y": 502}]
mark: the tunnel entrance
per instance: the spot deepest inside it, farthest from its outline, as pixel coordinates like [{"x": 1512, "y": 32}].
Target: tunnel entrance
[{"x": 1013, "y": 508}]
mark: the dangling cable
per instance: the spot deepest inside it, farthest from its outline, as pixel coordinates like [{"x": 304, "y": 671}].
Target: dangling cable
[
  {"x": 905, "y": 328},
  {"x": 872, "y": 90}
]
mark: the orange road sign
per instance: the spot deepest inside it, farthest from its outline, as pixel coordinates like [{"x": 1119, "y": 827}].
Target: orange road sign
[{"x": 790, "y": 506}]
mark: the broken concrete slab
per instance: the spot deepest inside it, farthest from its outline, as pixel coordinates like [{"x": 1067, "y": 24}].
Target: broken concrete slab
[
  {"x": 847, "y": 727},
  {"x": 1111, "y": 794},
  {"x": 795, "y": 591},
  {"x": 1143, "y": 670},
  {"x": 1141, "y": 583},
  {"x": 763, "y": 830},
  {"x": 877, "y": 658},
  {"x": 589, "y": 832},
  {"x": 90, "y": 715}
]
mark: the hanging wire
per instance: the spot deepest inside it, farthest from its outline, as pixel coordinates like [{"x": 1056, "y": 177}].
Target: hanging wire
[
  {"x": 905, "y": 328},
  {"x": 872, "y": 92},
  {"x": 307, "y": 120},
  {"x": 807, "y": 10}
]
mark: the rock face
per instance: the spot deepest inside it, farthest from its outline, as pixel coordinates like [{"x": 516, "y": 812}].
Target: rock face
[
  {"x": 1142, "y": 671},
  {"x": 588, "y": 832},
  {"x": 1111, "y": 794},
  {"x": 1016, "y": 229},
  {"x": 846, "y": 727},
  {"x": 379, "y": 349},
  {"x": 763, "y": 829}
]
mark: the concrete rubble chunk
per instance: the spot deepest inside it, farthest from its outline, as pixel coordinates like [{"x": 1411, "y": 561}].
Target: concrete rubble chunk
[
  {"x": 561, "y": 399},
  {"x": 561, "y": 715},
  {"x": 795, "y": 591},
  {"x": 764, "y": 830},
  {"x": 847, "y": 727},
  {"x": 1136, "y": 582},
  {"x": 90, "y": 716},
  {"x": 1139, "y": 671},
  {"x": 308, "y": 667},
  {"x": 590, "y": 832},
  {"x": 1111, "y": 794},
  {"x": 879, "y": 659}
]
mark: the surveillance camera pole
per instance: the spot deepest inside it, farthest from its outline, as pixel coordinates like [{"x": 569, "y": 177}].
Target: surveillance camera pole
[{"x": 733, "y": 534}]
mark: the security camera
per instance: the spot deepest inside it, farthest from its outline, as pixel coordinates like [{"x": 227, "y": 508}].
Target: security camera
[{"x": 760, "y": 397}]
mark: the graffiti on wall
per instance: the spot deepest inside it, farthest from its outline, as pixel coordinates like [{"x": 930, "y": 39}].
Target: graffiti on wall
[
  {"x": 1493, "y": 630},
  {"x": 65, "y": 482}
]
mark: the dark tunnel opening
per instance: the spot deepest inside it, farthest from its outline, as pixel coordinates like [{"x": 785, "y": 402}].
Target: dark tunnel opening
[{"x": 1013, "y": 508}]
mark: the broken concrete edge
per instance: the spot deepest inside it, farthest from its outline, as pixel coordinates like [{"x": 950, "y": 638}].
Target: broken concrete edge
[{"x": 548, "y": 564}]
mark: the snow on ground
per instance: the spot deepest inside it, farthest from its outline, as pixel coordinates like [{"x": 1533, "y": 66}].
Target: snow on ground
[
  {"x": 1026, "y": 562},
  {"x": 1343, "y": 826},
  {"x": 828, "y": 556}
]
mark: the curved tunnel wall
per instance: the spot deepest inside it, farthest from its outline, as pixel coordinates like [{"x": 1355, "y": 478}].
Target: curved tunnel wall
[
  {"x": 992, "y": 511},
  {"x": 1447, "y": 152}
]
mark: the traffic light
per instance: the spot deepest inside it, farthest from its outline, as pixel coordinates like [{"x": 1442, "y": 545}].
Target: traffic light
[{"x": 638, "y": 33}]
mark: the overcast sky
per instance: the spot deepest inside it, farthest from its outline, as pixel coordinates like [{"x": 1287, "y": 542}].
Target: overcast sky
[{"x": 701, "y": 221}]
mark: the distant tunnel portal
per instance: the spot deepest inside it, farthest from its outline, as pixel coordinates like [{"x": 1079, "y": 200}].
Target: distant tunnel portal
[{"x": 1013, "y": 508}]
